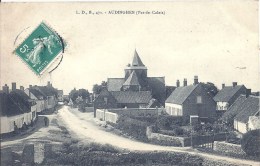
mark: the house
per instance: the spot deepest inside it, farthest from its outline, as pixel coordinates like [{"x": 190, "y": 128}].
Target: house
[
  {"x": 104, "y": 100},
  {"x": 191, "y": 100},
  {"x": 233, "y": 110},
  {"x": 122, "y": 99},
  {"x": 16, "y": 109},
  {"x": 60, "y": 95},
  {"x": 136, "y": 79},
  {"x": 39, "y": 98},
  {"x": 50, "y": 94},
  {"x": 132, "y": 99},
  {"x": 227, "y": 96},
  {"x": 249, "y": 107}
]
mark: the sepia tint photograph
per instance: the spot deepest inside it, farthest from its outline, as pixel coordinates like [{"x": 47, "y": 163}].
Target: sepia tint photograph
[{"x": 130, "y": 83}]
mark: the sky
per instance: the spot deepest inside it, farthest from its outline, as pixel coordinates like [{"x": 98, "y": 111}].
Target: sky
[{"x": 216, "y": 40}]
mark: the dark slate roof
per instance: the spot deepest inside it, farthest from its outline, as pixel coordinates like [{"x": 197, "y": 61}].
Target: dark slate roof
[
  {"x": 249, "y": 108},
  {"x": 136, "y": 60},
  {"x": 36, "y": 93},
  {"x": 21, "y": 99},
  {"x": 132, "y": 79},
  {"x": 233, "y": 110},
  {"x": 180, "y": 94},
  {"x": 47, "y": 91},
  {"x": 226, "y": 94},
  {"x": 132, "y": 96},
  {"x": 115, "y": 84},
  {"x": 13, "y": 104}
]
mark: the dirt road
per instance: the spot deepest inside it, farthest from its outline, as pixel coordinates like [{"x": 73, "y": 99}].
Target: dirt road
[{"x": 85, "y": 127}]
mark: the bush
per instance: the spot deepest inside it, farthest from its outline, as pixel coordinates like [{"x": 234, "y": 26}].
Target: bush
[
  {"x": 133, "y": 127},
  {"x": 167, "y": 122},
  {"x": 250, "y": 142},
  {"x": 177, "y": 131}
]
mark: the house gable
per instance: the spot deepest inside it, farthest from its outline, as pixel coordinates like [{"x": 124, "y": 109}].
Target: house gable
[{"x": 200, "y": 103}]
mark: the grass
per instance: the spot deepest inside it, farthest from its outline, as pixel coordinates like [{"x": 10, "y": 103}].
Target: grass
[{"x": 75, "y": 152}]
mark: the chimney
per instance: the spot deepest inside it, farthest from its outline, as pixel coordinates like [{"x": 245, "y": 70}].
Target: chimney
[
  {"x": 196, "y": 80},
  {"x": 30, "y": 86},
  {"x": 13, "y": 86},
  {"x": 22, "y": 88},
  {"x": 248, "y": 92},
  {"x": 234, "y": 84},
  {"x": 223, "y": 86},
  {"x": 177, "y": 83},
  {"x": 6, "y": 89},
  {"x": 185, "y": 82}
]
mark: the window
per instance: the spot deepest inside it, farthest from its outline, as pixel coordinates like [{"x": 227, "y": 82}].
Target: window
[
  {"x": 199, "y": 99},
  {"x": 105, "y": 99}
]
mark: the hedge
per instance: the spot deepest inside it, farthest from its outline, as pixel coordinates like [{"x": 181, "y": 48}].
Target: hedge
[{"x": 250, "y": 142}]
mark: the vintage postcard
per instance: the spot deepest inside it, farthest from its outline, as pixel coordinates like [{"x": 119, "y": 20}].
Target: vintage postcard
[{"x": 130, "y": 83}]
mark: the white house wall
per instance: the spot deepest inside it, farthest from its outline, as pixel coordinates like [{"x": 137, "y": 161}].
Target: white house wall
[
  {"x": 222, "y": 106},
  {"x": 174, "y": 109},
  {"x": 51, "y": 102},
  {"x": 5, "y": 126},
  {"x": 240, "y": 126},
  {"x": 7, "y": 123},
  {"x": 40, "y": 103}
]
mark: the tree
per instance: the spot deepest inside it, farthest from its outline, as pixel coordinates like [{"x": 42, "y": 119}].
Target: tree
[
  {"x": 250, "y": 143},
  {"x": 83, "y": 93},
  {"x": 73, "y": 94},
  {"x": 98, "y": 88},
  {"x": 211, "y": 89}
]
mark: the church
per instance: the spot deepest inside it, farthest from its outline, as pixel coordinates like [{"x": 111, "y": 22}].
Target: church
[{"x": 134, "y": 90}]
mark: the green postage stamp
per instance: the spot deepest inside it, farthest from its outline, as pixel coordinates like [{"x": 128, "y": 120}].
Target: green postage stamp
[{"x": 40, "y": 48}]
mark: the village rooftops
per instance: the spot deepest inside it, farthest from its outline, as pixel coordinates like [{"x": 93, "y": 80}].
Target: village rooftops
[
  {"x": 132, "y": 80},
  {"x": 180, "y": 94},
  {"x": 250, "y": 107},
  {"x": 13, "y": 104},
  {"x": 233, "y": 110},
  {"x": 227, "y": 93},
  {"x": 132, "y": 96},
  {"x": 37, "y": 93},
  {"x": 47, "y": 90}
]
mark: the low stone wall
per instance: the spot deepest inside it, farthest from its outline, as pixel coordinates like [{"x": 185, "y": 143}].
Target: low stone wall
[
  {"x": 182, "y": 141},
  {"x": 111, "y": 117},
  {"x": 163, "y": 139},
  {"x": 31, "y": 154},
  {"x": 100, "y": 114},
  {"x": 137, "y": 111},
  {"x": 228, "y": 148},
  {"x": 6, "y": 156},
  {"x": 104, "y": 115}
]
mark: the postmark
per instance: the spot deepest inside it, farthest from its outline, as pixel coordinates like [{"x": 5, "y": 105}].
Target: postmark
[{"x": 40, "y": 48}]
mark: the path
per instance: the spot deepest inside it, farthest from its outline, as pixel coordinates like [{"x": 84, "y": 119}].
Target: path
[{"x": 84, "y": 126}]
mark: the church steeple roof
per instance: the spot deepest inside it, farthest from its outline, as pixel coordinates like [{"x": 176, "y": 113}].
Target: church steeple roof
[
  {"x": 132, "y": 79},
  {"x": 136, "y": 60}
]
